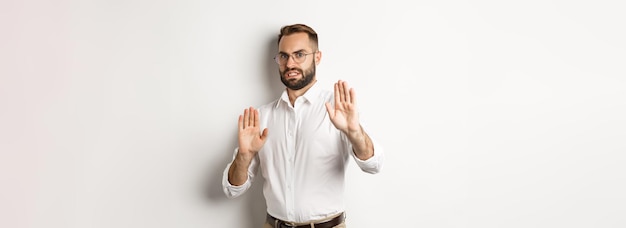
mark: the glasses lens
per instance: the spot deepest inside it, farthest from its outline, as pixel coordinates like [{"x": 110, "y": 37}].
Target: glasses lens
[
  {"x": 281, "y": 58},
  {"x": 297, "y": 57}
]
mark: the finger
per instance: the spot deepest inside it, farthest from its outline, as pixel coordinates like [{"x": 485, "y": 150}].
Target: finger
[
  {"x": 353, "y": 96},
  {"x": 330, "y": 110},
  {"x": 337, "y": 96},
  {"x": 246, "y": 118},
  {"x": 251, "y": 123},
  {"x": 256, "y": 118},
  {"x": 240, "y": 122},
  {"x": 346, "y": 91},
  {"x": 251, "y": 117},
  {"x": 342, "y": 95},
  {"x": 264, "y": 134}
]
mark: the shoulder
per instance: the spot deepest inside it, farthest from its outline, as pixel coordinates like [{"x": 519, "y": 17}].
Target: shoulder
[
  {"x": 327, "y": 95},
  {"x": 317, "y": 92},
  {"x": 268, "y": 107}
]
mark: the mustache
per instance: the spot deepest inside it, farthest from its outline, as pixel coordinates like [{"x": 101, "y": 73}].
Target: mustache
[{"x": 292, "y": 69}]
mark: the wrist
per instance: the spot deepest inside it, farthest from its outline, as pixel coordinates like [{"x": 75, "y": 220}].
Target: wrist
[
  {"x": 356, "y": 134},
  {"x": 244, "y": 157}
]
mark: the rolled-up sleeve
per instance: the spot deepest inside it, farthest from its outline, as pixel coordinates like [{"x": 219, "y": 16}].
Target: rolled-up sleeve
[
  {"x": 374, "y": 164},
  {"x": 233, "y": 191}
]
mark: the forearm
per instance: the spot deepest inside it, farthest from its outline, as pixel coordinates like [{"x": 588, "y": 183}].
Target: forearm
[
  {"x": 361, "y": 144},
  {"x": 238, "y": 172}
]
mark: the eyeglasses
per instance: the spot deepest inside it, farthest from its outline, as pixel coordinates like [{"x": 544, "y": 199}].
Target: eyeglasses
[{"x": 298, "y": 57}]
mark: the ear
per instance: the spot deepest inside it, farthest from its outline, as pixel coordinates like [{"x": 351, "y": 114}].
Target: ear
[{"x": 318, "y": 57}]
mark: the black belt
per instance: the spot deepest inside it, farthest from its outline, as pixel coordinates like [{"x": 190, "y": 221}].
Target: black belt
[{"x": 277, "y": 223}]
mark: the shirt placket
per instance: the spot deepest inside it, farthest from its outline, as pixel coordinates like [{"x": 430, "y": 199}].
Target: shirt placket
[{"x": 289, "y": 174}]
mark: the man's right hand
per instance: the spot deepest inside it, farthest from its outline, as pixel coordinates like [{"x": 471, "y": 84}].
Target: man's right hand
[
  {"x": 250, "y": 142},
  {"x": 250, "y": 138}
]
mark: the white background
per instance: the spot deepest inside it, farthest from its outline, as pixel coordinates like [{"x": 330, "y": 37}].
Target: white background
[{"x": 123, "y": 113}]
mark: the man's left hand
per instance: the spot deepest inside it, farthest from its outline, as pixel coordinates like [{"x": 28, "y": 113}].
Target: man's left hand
[{"x": 344, "y": 115}]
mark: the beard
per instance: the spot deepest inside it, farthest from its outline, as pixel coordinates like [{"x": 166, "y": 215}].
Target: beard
[{"x": 296, "y": 84}]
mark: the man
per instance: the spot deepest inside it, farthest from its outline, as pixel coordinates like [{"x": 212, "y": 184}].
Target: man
[{"x": 307, "y": 138}]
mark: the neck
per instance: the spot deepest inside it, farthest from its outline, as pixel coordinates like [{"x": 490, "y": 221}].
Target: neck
[{"x": 294, "y": 94}]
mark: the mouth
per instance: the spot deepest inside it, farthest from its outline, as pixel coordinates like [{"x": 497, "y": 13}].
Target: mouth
[{"x": 292, "y": 74}]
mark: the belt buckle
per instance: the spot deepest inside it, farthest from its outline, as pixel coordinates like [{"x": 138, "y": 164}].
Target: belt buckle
[{"x": 286, "y": 224}]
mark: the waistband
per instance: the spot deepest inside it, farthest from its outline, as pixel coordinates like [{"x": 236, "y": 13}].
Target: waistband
[{"x": 277, "y": 223}]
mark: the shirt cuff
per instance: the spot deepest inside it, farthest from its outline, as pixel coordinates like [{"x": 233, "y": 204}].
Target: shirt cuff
[
  {"x": 233, "y": 191},
  {"x": 371, "y": 165}
]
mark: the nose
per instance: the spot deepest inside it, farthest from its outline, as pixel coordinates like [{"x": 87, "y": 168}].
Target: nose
[{"x": 291, "y": 61}]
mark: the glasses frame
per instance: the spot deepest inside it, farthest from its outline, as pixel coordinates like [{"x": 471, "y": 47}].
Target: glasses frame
[{"x": 291, "y": 56}]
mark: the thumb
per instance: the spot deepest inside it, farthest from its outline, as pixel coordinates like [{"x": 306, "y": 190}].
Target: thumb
[
  {"x": 264, "y": 135},
  {"x": 330, "y": 109}
]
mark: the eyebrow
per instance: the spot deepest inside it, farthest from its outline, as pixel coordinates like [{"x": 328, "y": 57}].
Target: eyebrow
[{"x": 301, "y": 50}]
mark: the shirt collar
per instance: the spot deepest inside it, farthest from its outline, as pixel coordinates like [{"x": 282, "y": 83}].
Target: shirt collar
[{"x": 311, "y": 95}]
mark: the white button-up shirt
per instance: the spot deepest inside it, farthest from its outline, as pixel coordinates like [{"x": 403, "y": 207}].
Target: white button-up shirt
[{"x": 303, "y": 160}]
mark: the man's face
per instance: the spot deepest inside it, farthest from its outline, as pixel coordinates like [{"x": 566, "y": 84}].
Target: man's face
[{"x": 293, "y": 74}]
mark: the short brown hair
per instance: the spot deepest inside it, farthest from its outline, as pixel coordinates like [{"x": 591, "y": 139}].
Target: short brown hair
[{"x": 296, "y": 28}]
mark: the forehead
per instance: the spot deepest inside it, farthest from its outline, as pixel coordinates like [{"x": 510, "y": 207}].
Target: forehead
[{"x": 295, "y": 42}]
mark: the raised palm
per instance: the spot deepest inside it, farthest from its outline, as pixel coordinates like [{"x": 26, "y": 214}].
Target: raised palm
[
  {"x": 250, "y": 138},
  {"x": 344, "y": 115}
]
